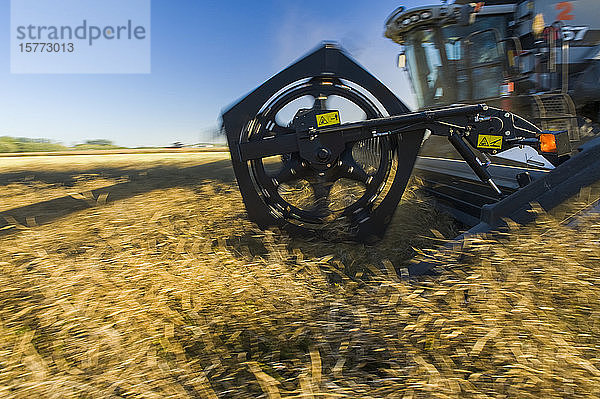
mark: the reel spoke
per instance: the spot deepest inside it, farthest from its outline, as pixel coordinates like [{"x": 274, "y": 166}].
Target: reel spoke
[
  {"x": 271, "y": 126},
  {"x": 320, "y": 102},
  {"x": 321, "y": 191},
  {"x": 278, "y": 129},
  {"x": 352, "y": 170},
  {"x": 291, "y": 170}
]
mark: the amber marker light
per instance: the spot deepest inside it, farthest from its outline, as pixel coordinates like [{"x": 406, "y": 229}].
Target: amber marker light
[{"x": 547, "y": 143}]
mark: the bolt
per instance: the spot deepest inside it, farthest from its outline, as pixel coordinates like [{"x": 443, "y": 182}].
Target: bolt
[
  {"x": 507, "y": 133},
  {"x": 323, "y": 154},
  {"x": 507, "y": 114}
]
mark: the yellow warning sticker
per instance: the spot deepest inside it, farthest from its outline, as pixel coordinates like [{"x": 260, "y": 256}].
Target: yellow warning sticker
[
  {"x": 488, "y": 141},
  {"x": 328, "y": 119}
]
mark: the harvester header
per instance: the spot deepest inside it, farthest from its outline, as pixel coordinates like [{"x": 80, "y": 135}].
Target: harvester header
[
  {"x": 325, "y": 144},
  {"x": 320, "y": 169}
]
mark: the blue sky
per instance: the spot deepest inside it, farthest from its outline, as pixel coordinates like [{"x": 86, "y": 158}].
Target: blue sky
[{"x": 205, "y": 55}]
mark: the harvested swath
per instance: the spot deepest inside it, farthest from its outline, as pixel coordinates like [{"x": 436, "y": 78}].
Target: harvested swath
[{"x": 172, "y": 293}]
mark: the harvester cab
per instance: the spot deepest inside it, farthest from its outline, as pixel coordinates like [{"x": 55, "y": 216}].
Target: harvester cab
[{"x": 537, "y": 58}]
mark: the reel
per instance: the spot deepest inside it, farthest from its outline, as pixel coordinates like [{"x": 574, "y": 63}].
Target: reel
[{"x": 328, "y": 185}]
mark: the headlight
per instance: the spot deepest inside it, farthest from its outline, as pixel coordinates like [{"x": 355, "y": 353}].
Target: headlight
[{"x": 426, "y": 15}]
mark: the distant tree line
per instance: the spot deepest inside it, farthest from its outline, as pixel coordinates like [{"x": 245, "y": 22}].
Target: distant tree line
[
  {"x": 97, "y": 144},
  {"x": 24, "y": 144}
]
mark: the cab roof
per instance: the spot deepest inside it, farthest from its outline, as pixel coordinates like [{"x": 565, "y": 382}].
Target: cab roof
[{"x": 402, "y": 20}]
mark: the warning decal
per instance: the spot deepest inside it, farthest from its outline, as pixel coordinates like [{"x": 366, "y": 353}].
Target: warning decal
[
  {"x": 488, "y": 141},
  {"x": 328, "y": 119}
]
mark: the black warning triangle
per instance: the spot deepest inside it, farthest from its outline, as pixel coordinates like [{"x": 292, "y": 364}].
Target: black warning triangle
[
  {"x": 484, "y": 142},
  {"x": 323, "y": 120}
]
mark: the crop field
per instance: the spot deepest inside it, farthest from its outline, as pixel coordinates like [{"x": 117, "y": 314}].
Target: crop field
[{"x": 139, "y": 276}]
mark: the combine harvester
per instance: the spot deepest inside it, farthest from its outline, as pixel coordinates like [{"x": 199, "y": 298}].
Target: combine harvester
[{"x": 323, "y": 143}]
